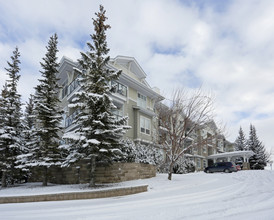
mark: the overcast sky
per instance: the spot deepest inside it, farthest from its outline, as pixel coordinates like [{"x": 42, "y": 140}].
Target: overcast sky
[{"x": 224, "y": 46}]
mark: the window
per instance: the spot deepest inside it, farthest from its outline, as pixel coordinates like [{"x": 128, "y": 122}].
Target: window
[
  {"x": 204, "y": 163},
  {"x": 198, "y": 163},
  {"x": 145, "y": 124},
  {"x": 204, "y": 149},
  {"x": 142, "y": 100},
  {"x": 117, "y": 112}
]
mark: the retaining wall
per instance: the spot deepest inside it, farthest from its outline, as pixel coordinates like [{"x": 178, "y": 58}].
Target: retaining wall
[
  {"x": 75, "y": 195},
  {"x": 80, "y": 173}
]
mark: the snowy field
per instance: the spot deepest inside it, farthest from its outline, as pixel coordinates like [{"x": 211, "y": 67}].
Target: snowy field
[{"x": 241, "y": 195}]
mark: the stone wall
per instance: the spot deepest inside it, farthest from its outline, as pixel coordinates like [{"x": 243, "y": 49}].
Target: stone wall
[
  {"x": 75, "y": 195},
  {"x": 119, "y": 172},
  {"x": 80, "y": 173}
]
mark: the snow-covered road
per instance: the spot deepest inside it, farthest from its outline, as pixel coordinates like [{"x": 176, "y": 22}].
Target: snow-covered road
[{"x": 241, "y": 195}]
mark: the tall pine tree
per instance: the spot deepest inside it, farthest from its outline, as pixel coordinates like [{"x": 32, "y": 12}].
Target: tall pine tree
[
  {"x": 10, "y": 119},
  {"x": 47, "y": 114},
  {"x": 99, "y": 133},
  {"x": 241, "y": 142},
  {"x": 259, "y": 159}
]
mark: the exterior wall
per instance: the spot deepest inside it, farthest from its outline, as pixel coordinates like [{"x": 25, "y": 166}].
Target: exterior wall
[
  {"x": 80, "y": 173},
  {"x": 133, "y": 78}
]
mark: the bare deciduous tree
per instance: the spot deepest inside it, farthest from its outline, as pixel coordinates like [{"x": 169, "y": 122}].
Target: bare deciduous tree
[{"x": 179, "y": 121}]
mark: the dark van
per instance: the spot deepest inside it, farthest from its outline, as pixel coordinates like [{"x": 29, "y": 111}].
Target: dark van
[{"x": 226, "y": 167}]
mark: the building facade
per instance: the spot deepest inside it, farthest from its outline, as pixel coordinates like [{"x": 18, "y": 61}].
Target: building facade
[
  {"x": 136, "y": 99},
  {"x": 209, "y": 142},
  {"x": 133, "y": 97}
]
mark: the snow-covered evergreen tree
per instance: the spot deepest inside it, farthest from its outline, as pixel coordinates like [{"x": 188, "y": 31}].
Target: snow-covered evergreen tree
[
  {"x": 28, "y": 126},
  {"x": 241, "y": 142},
  {"x": 28, "y": 117},
  {"x": 47, "y": 114},
  {"x": 3, "y": 122},
  {"x": 10, "y": 119},
  {"x": 259, "y": 159},
  {"x": 99, "y": 133}
]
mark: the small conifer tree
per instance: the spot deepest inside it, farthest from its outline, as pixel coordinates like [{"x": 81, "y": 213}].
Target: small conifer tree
[
  {"x": 241, "y": 142},
  {"x": 260, "y": 158}
]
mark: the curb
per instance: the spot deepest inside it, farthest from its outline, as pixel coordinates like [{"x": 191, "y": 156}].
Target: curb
[{"x": 75, "y": 195}]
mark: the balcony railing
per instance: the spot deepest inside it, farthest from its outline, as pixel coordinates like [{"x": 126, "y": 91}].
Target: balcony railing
[
  {"x": 70, "y": 119},
  {"x": 119, "y": 88},
  {"x": 73, "y": 85}
]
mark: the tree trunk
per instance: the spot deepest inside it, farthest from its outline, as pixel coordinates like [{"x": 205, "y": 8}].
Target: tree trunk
[
  {"x": 169, "y": 175},
  {"x": 45, "y": 176},
  {"x": 92, "y": 171},
  {"x": 4, "y": 179},
  {"x": 170, "y": 171}
]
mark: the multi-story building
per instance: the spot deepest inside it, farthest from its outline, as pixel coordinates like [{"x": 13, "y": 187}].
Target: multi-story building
[
  {"x": 203, "y": 141},
  {"x": 207, "y": 141},
  {"x": 133, "y": 97}
]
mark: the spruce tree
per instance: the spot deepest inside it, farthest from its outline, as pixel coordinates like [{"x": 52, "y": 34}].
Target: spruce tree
[
  {"x": 28, "y": 126},
  {"x": 99, "y": 133},
  {"x": 3, "y": 121},
  {"x": 10, "y": 119},
  {"x": 259, "y": 159},
  {"x": 47, "y": 114},
  {"x": 240, "y": 142},
  {"x": 28, "y": 121}
]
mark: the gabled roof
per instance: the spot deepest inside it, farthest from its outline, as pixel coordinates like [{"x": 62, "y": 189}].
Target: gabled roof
[
  {"x": 65, "y": 60},
  {"x": 131, "y": 64}
]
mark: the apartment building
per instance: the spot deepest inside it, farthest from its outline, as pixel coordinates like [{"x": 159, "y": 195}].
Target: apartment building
[
  {"x": 133, "y": 97},
  {"x": 209, "y": 142}
]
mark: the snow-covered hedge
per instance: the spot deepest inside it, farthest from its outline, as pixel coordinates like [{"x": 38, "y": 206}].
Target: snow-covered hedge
[
  {"x": 182, "y": 166},
  {"x": 140, "y": 153}
]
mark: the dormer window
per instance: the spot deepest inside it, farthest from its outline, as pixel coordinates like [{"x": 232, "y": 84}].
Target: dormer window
[{"x": 142, "y": 101}]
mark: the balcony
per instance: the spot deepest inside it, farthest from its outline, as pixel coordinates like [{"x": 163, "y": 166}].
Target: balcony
[
  {"x": 119, "y": 88},
  {"x": 70, "y": 119},
  {"x": 73, "y": 86}
]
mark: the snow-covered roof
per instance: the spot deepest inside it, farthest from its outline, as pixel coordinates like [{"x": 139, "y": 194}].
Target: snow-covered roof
[{"x": 232, "y": 154}]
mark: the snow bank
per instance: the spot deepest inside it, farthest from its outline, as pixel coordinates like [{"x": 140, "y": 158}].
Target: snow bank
[{"x": 241, "y": 195}]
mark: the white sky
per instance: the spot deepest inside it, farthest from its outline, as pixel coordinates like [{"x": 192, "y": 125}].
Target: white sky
[{"x": 226, "y": 47}]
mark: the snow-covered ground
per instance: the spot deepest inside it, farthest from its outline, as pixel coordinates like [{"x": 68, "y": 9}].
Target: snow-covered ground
[{"x": 241, "y": 195}]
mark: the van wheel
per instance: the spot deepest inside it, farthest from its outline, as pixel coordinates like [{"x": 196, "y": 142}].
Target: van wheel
[
  {"x": 207, "y": 171},
  {"x": 226, "y": 171}
]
